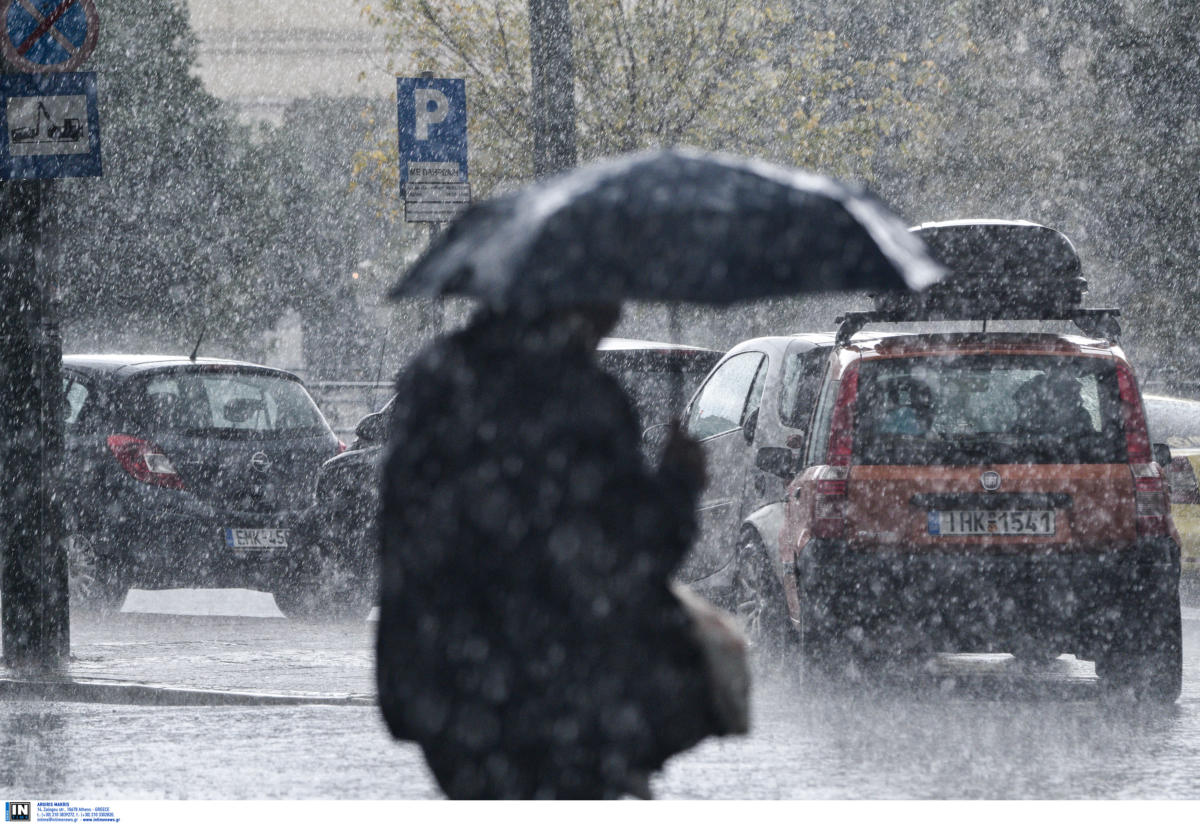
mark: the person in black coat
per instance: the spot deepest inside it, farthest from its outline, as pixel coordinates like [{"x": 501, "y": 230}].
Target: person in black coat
[{"x": 528, "y": 640}]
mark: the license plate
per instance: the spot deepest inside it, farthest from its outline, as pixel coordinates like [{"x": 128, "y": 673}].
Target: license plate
[
  {"x": 991, "y": 522},
  {"x": 256, "y": 538}
]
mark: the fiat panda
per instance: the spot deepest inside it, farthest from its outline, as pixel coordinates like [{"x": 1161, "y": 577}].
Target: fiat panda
[{"x": 984, "y": 492}]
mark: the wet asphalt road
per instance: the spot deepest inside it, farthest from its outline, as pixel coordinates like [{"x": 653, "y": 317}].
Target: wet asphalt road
[
  {"x": 962, "y": 727},
  {"x": 969, "y": 727}
]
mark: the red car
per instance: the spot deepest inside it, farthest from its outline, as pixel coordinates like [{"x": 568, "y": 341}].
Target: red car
[{"x": 983, "y": 492}]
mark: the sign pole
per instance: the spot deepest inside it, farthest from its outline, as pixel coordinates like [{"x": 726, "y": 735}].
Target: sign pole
[
  {"x": 49, "y": 128},
  {"x": 431, "y": 312},
  {"x": 553, "y": 93},
  {"x": 34, "y": 606},
  {"x": 439, "y": 309}
]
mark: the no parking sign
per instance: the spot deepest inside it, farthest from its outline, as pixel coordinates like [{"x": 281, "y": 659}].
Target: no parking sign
[{"x": 48, "y": 35}]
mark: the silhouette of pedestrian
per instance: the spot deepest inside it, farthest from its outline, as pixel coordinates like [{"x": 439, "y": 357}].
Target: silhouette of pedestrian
[{"x": 528, "y": 638}]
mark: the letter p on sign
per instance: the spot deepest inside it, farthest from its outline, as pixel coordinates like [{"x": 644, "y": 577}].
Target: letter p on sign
[{"x": 427, "y": 115}]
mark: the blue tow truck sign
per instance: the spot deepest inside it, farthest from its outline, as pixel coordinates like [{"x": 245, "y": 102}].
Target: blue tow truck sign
[
  {"x": 49, "y": 126},
  {"x": 431, "y": 115}
]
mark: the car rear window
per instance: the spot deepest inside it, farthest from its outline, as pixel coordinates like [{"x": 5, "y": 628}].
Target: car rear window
[
  {"x": 956, "y": 410},
  {"x": 232, "y": 404},
  {"x": 659, "y": 384},
  {"x": 75, "y": 399}
]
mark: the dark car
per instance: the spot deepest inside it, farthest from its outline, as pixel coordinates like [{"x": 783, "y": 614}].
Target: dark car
[
  {"x": 652, "y": 374},
  {"x": 182, "y": 473},
  {"x": 336, "y": 575}
]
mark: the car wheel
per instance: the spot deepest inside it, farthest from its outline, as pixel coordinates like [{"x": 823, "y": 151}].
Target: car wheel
[
  {"x": 1147, "y": 663},
  {"x": 300, "y": 602},
  {"x": 819, "y": 655},
  {"x": 335, "y": 590},
  {"x": 759, "y": 600},
  {"x": 95, "y": 582},
  {"x": 828, "y": 649}
]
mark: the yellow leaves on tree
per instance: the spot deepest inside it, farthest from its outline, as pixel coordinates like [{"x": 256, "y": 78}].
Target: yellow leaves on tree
[{"x": 731, "y": 75}]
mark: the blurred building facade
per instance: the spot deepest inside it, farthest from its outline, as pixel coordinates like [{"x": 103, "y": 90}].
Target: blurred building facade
[{"x": 260, "y": 55}]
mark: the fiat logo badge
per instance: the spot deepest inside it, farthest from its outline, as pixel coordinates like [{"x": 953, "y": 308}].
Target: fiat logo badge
[
  {"x": 990, "y": 480},
  {"x": 260, "y": 462}
]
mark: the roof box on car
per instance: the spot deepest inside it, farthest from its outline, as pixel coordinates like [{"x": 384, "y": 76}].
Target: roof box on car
[{"x": 998, "y": 270}]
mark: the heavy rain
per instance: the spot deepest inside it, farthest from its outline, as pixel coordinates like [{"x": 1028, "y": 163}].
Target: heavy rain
[{"x": 722, "y": 399}]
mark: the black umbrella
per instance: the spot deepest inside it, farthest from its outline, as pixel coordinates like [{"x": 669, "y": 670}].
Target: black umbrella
[{"x": 671, "y": 225}]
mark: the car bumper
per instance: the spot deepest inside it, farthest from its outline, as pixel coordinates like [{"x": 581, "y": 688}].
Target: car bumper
[
  {"x": 186, "y": 550},
  {"x": 971, "y": 602}
]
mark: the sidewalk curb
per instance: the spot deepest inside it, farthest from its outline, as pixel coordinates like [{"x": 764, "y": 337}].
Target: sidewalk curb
[{"x": 117, "y": 692}]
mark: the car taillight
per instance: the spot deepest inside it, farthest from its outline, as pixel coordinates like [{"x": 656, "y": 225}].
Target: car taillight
[
  {"x": 841, "y": 428},
  {"x": 1137, "y": 438},
  {"x": 144, "y": 461},
  {"x": 829, "y": 504},
  {"x": 1152, "y": 503},
  {"x": 1151, "y": 494}
]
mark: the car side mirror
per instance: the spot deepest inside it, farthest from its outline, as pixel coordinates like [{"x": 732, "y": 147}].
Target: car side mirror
[
  {"x": 749, "y": 427},
  {"x": 372, "y": 428},
  {"x": 776, "y": 460},
  {"x": 1162, "y": 454}
]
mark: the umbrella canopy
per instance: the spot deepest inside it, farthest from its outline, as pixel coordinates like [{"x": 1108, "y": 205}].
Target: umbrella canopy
[{"x": 670, "y": 225}]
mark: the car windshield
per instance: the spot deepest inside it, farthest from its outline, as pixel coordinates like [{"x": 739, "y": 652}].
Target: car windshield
[
  {"x": 988, "y": 409},
  {"x": 233, "y": 404},
  {"x": 1174, "y": 421}
]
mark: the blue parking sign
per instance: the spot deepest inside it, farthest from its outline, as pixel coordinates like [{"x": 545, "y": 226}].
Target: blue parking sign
[
  {"x": 432, "y": 119},
  {"x": 49, "y": 126}
]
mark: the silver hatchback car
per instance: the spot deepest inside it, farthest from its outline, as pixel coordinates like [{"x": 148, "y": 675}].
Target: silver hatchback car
[{"x": 750, "y": 416}]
